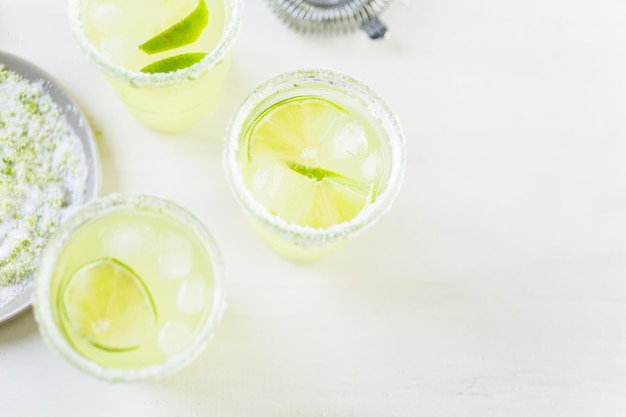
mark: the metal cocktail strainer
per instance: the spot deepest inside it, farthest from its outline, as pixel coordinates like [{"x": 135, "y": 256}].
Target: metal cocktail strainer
[{"x": 332, "y": 16}]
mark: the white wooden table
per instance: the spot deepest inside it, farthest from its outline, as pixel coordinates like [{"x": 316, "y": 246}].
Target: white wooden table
[{"x": 495, "y": 287}]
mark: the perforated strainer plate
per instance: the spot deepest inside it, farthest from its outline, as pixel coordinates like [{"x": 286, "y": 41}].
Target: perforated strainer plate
[{"x": 332, "y": 16}]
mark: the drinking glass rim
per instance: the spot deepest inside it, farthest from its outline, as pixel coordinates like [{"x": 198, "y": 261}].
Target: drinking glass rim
[
  {"x": 305, "y": 235},
  {"x": 41, "y": 298},
  {"x": 143, "y": 79}
]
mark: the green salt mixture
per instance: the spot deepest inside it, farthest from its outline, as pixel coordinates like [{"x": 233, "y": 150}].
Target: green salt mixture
[{"x": 43, "y": 174}]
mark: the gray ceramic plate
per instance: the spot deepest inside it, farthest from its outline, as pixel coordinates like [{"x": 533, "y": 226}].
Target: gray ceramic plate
[{"x": 78, "y": 122}]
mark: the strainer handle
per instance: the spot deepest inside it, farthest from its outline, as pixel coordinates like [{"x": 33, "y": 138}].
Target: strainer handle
[{"x": 374, "y": 28}]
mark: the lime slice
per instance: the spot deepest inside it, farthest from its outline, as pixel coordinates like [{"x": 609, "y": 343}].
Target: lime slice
[
  {"x": 182, "y": 33},
  {"x": 294, "y": 168},
  {"x": 293, "y": 126},
  {"x": 109, "y": 305},
  {"x": 174, "y": 63}
]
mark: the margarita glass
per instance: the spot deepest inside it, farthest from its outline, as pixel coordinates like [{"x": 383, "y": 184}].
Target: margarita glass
[
  {"x": 166, "y": 59},
  {"x": 314, "y": 157},
  {"x": 130, "y": 287}
]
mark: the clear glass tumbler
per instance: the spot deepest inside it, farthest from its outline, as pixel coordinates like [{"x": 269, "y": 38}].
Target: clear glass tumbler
[
  {"x": 130, "y": 287},
  {"x": 358, "y": 166},
  {"x": 114, "y": 34}
]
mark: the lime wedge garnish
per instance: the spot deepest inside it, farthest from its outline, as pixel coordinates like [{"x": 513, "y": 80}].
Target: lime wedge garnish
[
  {"x": 182, "y": 33},
  {"x": 174, "y": 63},
  {"x": 319, "y": 174},
  {"x": 315, "y": 173},
  {"x": 109, "y": 305},
  {"x": 289, "y": 148}
]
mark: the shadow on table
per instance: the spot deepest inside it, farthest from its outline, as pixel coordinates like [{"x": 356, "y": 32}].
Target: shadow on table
[{"x": 18, "y": 328}]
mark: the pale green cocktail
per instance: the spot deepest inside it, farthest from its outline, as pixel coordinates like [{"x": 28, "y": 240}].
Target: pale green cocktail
[
  {"x": 314, "y": 157},
  {"x": 130, "y": 287},
  {"x": 167, "y": 59}
]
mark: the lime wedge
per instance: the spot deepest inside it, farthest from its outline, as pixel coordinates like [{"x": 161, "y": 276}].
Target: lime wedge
[
  {"x": 182, "y": 33},
  {"x": 315, "y": 173},
  {"x": 109, "y": 305},
  {"x": 174, "y": 63},
  {"x": 319, "y": 174},
  {"x": 291, "y": 147}
]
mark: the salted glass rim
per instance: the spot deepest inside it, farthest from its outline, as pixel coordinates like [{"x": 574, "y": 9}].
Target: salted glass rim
[
  {"x": 142, "y": 79},
  {"x": 48, "y": 327},
  {"x": 342, "y": 83}
]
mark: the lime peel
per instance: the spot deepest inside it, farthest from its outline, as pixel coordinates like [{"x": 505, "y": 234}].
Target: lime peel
[
  {"x": 315, "y": 173},
  {"x": 182, "y": 33},
  {"x": 319, "y": 174},
  {"x": 174, "y": 63}
]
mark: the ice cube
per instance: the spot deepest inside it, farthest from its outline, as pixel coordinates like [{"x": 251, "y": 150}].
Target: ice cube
[
  {"x": 175, "y": 257},
  {"x": 119, "y": 49},
  {"x": 266, "y": 178},
  {"x": 165, "y": 13},
  {"x": 127, "y": 239},
  {"x": 349, "y": 140},
  {"x": 369, "y": 168},
  {"x": 193, "y": 294},
  {"x": 173, "y": 336},
  {"x": 108, "y": 19},
  {"x": 177, "y": 9}
]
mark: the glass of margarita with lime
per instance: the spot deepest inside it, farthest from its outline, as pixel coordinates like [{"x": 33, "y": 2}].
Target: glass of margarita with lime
[
  {"x": 314, "y": 157},
  {"x": 130, "y": 287},
  {"x": 166, "y": 59}
]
